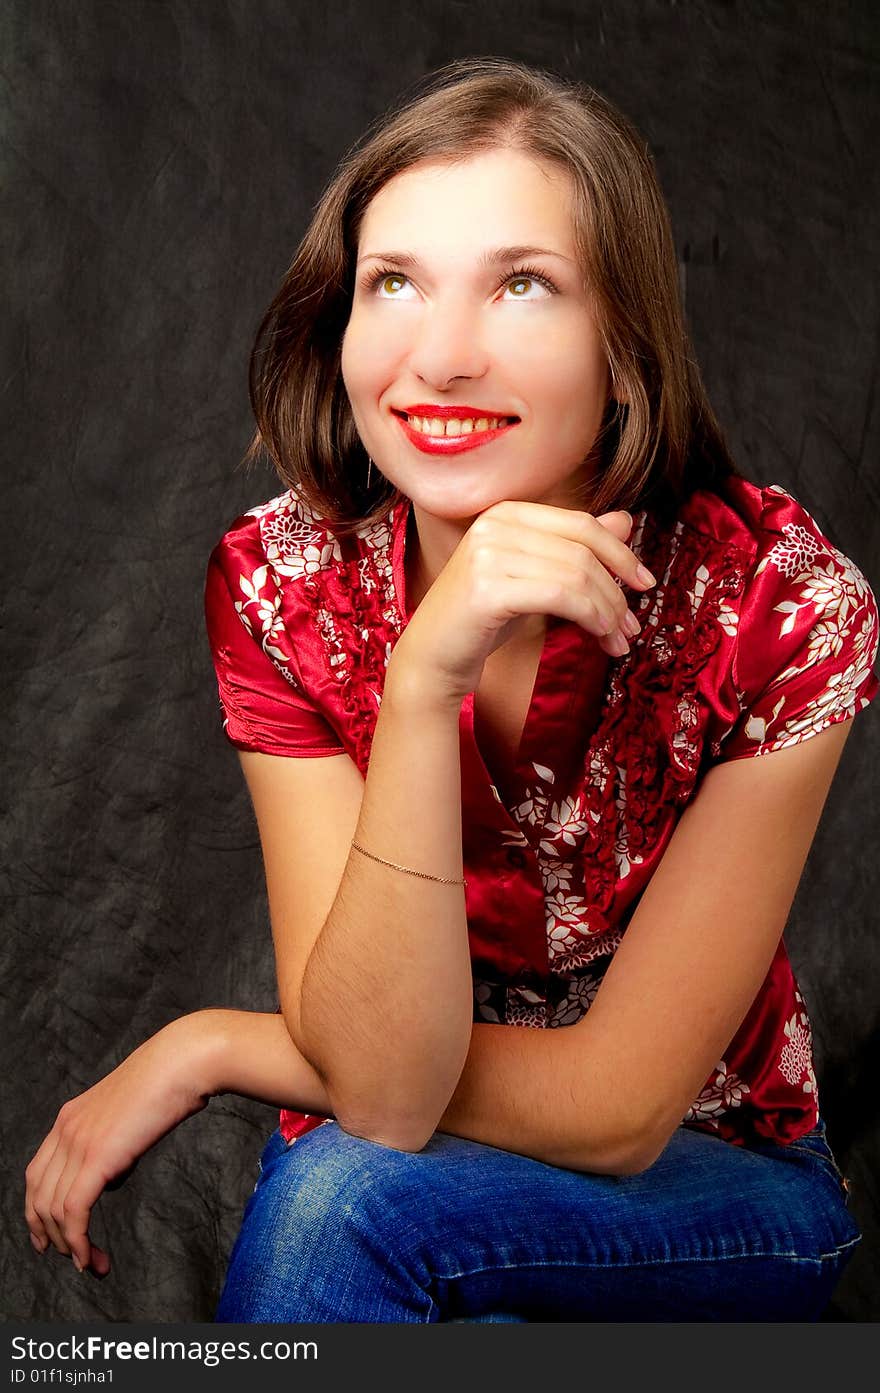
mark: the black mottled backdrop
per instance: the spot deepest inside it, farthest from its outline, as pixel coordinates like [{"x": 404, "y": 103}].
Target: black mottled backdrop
[{"x": 160, "y": 163}]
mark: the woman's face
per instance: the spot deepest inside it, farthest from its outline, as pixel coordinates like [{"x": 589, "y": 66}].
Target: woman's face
[{"x": 454, "y": 320}]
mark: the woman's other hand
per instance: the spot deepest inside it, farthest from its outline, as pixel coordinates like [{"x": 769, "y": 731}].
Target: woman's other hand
[
  {"x": 518, "y": 559},
  {"x": 98, "y": 1137}
]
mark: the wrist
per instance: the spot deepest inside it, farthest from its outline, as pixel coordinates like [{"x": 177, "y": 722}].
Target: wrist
[
  {"x": 197, "y": 1047},
  {"x": 408, "y": 687}
]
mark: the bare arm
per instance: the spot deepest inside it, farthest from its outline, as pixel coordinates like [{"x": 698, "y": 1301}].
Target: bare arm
[
  {"x": 386, "y": 1002},
  {"x": 514, "y": 1091},
  {"x": 607, "y": 1093}
]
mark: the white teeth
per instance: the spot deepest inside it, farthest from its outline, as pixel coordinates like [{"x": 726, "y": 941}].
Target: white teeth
[{"x": 452, "y": 426}]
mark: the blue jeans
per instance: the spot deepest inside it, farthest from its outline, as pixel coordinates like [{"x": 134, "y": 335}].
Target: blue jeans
[{"x": 343, "y": 1229}]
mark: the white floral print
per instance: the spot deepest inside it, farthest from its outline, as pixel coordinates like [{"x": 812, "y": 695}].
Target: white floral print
[
  {"x": 796, "y": 1059},
  {"x": 295, "y": 543},
  {"x": 834, "y": 590},
  {"x": 721, "y": 1093},
  {"x": 262, "y": 595}
]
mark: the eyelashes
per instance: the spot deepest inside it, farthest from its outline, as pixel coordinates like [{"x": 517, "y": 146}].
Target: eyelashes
[{"x": 381, "y": 273}]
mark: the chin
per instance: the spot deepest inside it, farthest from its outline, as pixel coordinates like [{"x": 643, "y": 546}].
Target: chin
[{"x": 455, "y": 509}]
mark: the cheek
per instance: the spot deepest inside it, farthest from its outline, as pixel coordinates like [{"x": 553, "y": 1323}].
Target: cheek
[
  {"x": 351, "y": 359},
  {"x": 558, "y": 349},
  {"x": 367, "y": 356},
  {"x": 575, "y": 388}
]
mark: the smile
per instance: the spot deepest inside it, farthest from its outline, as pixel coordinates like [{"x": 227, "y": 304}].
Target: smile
[
  {"x": 436, "y": 435},
  {"x": 454, "y": 425}
]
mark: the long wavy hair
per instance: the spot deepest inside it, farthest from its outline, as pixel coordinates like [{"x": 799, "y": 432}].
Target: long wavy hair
[{"x": 651, "y": 451}]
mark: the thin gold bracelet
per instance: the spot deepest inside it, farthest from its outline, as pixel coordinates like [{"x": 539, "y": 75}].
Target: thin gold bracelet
[{"x": 423, "y": 874}]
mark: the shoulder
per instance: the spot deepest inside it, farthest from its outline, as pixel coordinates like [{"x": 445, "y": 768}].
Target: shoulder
[
  {"x": 794, "y": 560},
  {"x": 742, "y": 514},
  {"x": 806, "y": 627},
  {"x": 769, "y": 524},
  {"x": 789, "y": 558}
]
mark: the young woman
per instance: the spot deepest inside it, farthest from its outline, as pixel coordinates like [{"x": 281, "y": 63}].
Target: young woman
[{"x": 498, "y": 662}]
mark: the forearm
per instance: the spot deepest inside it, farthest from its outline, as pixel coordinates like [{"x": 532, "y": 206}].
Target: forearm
[
  {"x": 386, "y": 1000},
  {"x": 521, "y": 1090},
  {"x": 514, "y": 1093},
  {"x": 249, "y": 1053}
]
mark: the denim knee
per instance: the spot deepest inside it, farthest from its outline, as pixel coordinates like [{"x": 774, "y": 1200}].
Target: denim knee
[
  {"x": 334, "y": 1165},
  {"x": 320, "y": 1238}
]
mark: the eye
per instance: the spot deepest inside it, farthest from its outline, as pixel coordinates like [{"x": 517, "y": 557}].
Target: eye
[
  {"x": 385, "y": 274},
  {"x": 527, "y": 275},
  {"x": 392, "y": 281}
]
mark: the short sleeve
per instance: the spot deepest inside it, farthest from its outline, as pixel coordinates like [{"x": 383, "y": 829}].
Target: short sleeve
[
  {"x": 262, "y": 701},
  {"x": 807, "y": 635}
]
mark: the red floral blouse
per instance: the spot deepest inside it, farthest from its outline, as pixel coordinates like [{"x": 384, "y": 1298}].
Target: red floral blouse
[{"x": 759, "y": 634}]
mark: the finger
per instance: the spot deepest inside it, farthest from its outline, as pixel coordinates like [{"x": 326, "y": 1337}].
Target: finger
[
  {"x": 620, "y": 523},
  {"x": 34, "y": 1175},
  {"x": 584, "y": 593},
  {"x": 76, "y": 1191},
  {"x": 578, "y": 527},
  {"x": 548, "y": 594},
  {"x": 99, "y": 1263},
  {"x": 78, "y": 1202},
  {"x": 44, "y": 1200},
  {"x": 581, "y": 565}
]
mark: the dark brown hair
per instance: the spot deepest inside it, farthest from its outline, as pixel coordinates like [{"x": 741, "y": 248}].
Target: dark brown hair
[{"x": 652, "y": 451}]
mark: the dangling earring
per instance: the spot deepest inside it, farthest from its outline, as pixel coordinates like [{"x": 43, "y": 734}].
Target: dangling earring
[{"x": 369, "y": 470}]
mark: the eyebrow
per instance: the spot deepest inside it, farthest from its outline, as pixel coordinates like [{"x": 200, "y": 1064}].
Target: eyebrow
[{"x": 493, "y": 257}]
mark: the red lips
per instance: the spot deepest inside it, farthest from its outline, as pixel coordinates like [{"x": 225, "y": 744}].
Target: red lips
[
  {"x": 450, "y": 444},
  {"x": 459, "y": 413}
]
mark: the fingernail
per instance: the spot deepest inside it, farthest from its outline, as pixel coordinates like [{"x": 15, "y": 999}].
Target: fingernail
[
  {"x": 619, "y": 644},
  {"x": 644, "y": 575},
  {"x": 40, "y": 1247},
  {"x": 631, "y": 625},
  {"x": 77, "y": 1264}
]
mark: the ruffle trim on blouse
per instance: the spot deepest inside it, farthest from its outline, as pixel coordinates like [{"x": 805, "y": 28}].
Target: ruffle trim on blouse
[
  {"x": 650, "y": 736},
  {"x": 358, "y": 636},
  {"x": 339, "y": 581}
]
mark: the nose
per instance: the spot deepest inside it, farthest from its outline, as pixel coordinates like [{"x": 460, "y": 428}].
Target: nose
[{"x": 449, "y": 344}]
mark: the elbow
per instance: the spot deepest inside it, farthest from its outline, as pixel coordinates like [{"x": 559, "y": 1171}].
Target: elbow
[
  {"x": 633, "y": 1162},
  {"x": 626, "y": 1153},
  {"x": 372, "y": 1119},
  {"x": 396, "y": 1138},
  {"x": 400, "y": 1130},
  {"x": 639, "y": 1153}
]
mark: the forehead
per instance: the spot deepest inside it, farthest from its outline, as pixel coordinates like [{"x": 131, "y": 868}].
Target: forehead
[{"x": 498, "y": 195}]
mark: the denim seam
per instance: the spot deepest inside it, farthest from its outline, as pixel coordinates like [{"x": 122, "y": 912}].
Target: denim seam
[
  {"x": 833, "y": 1170},
  {"x": 652, "y": 1262},
  {"x": 822, "y": 1155}
]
